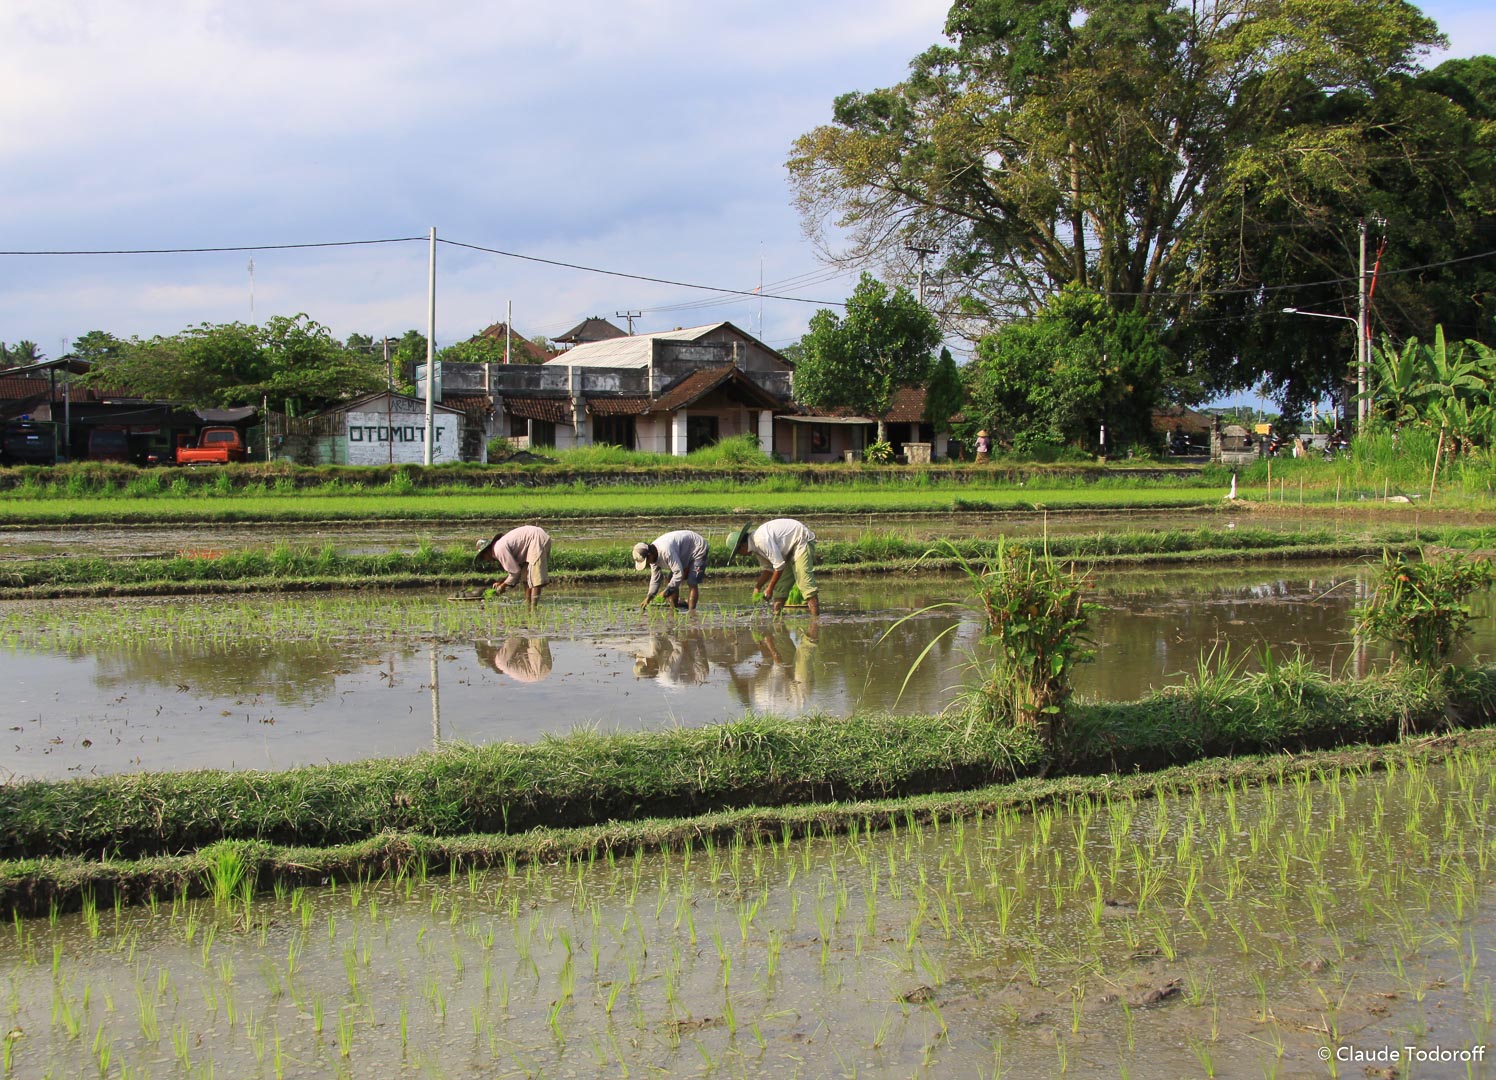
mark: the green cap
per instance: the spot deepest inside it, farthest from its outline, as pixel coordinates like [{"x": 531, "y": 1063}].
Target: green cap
[{"x": 735, "y": 538}]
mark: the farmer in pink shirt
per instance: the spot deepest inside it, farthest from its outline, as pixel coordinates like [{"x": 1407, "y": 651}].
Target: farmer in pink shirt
[{"x": 525, "y": 554}]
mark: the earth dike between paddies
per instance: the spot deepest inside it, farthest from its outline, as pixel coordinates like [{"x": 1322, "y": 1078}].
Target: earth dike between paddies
[
  {"x": 285, "y": 567},
  {"x": 153, "y": 835}
]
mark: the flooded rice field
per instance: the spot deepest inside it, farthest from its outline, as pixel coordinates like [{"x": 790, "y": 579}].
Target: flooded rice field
[
  {"x": 1341, "y": 927},
  {"x": 108, "y": 686},
  {"x": 377, "y": 537}
]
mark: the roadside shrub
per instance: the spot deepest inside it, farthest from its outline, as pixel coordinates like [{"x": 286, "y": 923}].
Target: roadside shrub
[{"x": 878, "y": 453}]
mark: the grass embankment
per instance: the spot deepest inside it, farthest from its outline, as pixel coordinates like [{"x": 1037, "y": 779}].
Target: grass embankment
[
  {"x": 572, "y": 501},
  {"x": 153, "y": 834},
  {"x": 288, "y": 568}
]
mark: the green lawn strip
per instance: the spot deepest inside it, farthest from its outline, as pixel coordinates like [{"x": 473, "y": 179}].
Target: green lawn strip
[
  {"x": 564, "y": 503},
  {"x": 37, "y": 886},
  {"x": 289, "y": 568}
]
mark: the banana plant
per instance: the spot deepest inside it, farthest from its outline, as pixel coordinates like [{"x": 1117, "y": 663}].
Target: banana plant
[
  {"x": 1398, "y": 384},
  {"x": 1452, "y": 373}
]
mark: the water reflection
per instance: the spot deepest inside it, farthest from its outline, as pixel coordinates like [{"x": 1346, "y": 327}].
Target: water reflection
[
  {"x": 295, "y": 680},
  {"x": 782, "y": 676},
  {"x": 523, "y": 659}
]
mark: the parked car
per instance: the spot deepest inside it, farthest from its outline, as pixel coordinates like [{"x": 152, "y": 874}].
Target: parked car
[
  {"x": 214, "y": 446},
  {"x": 28, "y": 442}
]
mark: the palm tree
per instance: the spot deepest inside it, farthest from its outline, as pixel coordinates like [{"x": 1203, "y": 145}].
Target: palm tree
[{"x": 23, "y": 353}]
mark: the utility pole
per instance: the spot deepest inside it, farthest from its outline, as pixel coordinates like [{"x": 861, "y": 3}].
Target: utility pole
[
  {"x": 430, "y": 344},
  {"x": 921, "y": 252},
  {"x": 1363, "y": 341},
  {"x": 630, "y": 316},
  {"x": 508, "y": 329},
  {"x": 251, "y": 290}
]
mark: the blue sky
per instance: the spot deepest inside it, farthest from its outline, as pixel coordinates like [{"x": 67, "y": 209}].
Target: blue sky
[{"x": 646, "y": 138}]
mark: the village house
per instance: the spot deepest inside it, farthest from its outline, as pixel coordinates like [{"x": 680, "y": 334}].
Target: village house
[{"x": 669, "y": 392}]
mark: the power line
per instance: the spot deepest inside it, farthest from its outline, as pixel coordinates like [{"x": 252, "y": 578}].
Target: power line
[
  {"x": 236, "y": 247},
  {"x": 640, "y": 277},
  {"x": 749, "y": 293}
]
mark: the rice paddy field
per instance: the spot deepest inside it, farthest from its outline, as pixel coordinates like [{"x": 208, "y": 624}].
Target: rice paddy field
[
  {"x": 1309, "y": 924},
  {"x": 1319, "y": 916},
  {"x": 123, "y": 685}
]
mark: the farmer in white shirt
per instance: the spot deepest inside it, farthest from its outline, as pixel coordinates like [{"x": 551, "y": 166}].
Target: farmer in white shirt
[
  {"x": 684, "y": 553},
  {"x": 774, "y": 543}
]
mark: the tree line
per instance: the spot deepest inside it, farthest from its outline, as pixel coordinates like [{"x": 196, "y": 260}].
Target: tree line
[{"x": 292, "y": 363}]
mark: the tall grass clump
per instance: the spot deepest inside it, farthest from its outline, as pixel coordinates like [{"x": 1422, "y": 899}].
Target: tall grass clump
[
  {"x": 1418, "y": 607},
  {"x": 1036, "y": 618},
  {"x": 739, "y": 450}
]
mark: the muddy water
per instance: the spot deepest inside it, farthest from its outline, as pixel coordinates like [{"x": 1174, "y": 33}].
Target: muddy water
[
  {"x": 379, "y": 537},
  {"x": 1303, "y": 929},
  {"x": 272, "y": 682}
]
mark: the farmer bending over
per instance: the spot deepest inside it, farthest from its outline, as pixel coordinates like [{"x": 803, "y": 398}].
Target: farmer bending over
[
  {"x": 774, "y": 543},
  {"x": 684, "y": 552},
  {"x": 524, "y": 553}
]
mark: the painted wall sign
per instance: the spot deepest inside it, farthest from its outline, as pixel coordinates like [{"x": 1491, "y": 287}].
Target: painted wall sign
[{"x": 398, "y": 435}]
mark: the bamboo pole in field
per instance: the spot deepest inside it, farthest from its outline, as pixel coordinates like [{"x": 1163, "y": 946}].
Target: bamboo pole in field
[{"x": 1438, "y": 451}]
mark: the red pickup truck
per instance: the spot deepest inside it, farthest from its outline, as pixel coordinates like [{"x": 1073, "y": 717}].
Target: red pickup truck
[{"x": 215, "y": 446}]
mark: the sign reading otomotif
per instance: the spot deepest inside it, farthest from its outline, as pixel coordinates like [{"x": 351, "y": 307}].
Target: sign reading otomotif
[{"x": 390, "y": 429}]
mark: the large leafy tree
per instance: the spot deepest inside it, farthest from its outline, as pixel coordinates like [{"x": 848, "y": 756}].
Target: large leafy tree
[
  {"x": 97, "y": 345},
  {"x": 944, "y": 394},
  {"x": 1181, "y": 160},
  {"x": 885, "y": 341},
  {"x": 1062, "y": 377},
  {"x": 293, "y": 363}
]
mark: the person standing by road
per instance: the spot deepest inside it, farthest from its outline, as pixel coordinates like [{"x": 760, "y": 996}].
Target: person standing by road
[
  {"x": 773, "y": 544},
  {"x": 685, "y": 554},
  {"x": 525, "y": 555},
  {"x": 984, "y": 447}
]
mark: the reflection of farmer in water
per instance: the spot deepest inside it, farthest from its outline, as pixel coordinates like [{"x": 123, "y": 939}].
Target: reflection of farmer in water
[
  {"x": 523, "y": 659},
  {"x": 674, "y": 660},
  {"x": 784, "y": 677}
]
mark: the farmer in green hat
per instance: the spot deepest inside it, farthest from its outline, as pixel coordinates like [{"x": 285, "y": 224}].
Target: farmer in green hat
[{"x": 773, "y": 544}]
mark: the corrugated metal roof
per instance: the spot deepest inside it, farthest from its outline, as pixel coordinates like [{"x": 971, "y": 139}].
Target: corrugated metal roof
[{"x": 627, "y": 352}]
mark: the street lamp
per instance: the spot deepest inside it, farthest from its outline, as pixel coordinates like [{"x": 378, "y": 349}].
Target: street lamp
[{"x": 1363, "y": 403}]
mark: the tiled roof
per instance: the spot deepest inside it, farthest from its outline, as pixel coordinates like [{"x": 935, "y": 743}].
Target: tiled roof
[
  {"x": 521, "y": 349},
  {"x": 908, "y": 408},
  {"x": 593, "y": 329},
  {"x": 704, "y": 380},
  {"x": 554, "y": 410},
  {"x": 475, "y": 405},
  {"x": 25, "y": 387},
  {"x": 629, "y": 405}
]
